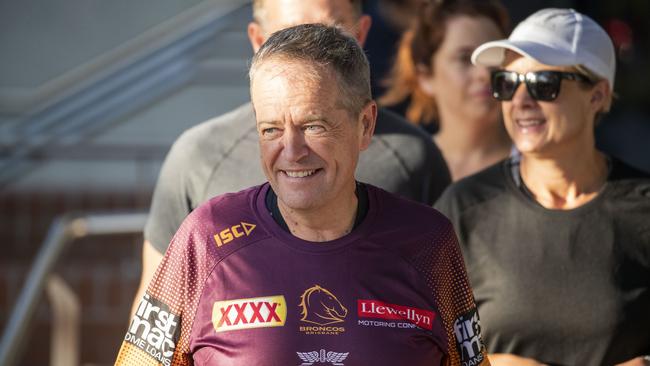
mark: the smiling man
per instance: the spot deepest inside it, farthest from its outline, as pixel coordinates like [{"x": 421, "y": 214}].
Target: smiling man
[
  {"x": 220, "y": 155},
  {"x": 313, "y": 266}
]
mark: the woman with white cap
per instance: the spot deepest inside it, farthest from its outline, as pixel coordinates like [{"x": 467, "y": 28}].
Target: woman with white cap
[{"x": 556, "y": 240}]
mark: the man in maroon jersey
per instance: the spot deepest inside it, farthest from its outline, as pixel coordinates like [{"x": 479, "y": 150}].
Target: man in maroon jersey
[
  {"x": 219, "y": 155},
  {"x": 312, "y": 267}
]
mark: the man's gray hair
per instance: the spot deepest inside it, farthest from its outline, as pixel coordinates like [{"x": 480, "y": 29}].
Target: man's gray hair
[{"x": 327, "y": 47}]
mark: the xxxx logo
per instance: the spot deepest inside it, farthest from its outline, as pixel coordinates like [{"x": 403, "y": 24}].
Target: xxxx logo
[
  {"x": 225, "y": 236},
  {"x": 259, "y": 312}
]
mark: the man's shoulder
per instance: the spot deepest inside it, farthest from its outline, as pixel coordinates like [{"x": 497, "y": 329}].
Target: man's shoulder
[
  {"x": 229, "y": 217},
  {"x": 390, "y": 123},
  {"x": 418, "y": 169},
  {"x": 219, "y": 227},
  {"x": 206, "y": 144},
  {"x": 402, "y": 214},
  {"x": 230, "y": 206},
  {"x": 411, "y": 230}
]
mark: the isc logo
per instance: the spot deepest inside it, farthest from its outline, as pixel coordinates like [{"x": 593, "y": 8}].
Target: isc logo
[
  {"x": 259, "y": 312},
  {"x": 225, "y": 236}
]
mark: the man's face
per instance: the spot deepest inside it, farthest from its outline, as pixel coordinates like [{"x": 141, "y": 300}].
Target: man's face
[
  {"x": 309, "y": 143},
  {"x": 281, "y": 14}
]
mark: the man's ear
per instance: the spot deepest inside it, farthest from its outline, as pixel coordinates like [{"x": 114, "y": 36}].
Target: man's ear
[
  {"x": 368, "y": 122},
  {"x": 256, "y": 35},
  {"x": 362, "y": 29}
]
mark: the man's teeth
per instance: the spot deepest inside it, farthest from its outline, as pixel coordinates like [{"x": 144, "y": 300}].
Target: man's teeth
[
  {"x": 529, "y": 122},
  {"x": 300, "y": 174}
]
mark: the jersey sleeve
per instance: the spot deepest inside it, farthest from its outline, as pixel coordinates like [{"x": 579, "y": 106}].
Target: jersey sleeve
[
  {"x": 170, "y": 203},
  {"x": 445, "y": 274},
  {"x": 159, "y": 332}
]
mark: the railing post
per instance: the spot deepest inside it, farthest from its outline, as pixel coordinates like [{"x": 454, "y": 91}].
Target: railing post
[
  {"x": 23, "y": 311},
  {"x": 66, "y": 314},
  {"x": 61, "y": 233}
]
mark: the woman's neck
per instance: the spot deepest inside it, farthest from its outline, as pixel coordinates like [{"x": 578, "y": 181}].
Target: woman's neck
[
  {"x": 470, "y": 146},
  {"x": 567, "y": 182}
]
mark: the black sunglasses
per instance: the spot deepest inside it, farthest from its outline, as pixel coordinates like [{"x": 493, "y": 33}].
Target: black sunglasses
[{"x": 541, "y": 85}]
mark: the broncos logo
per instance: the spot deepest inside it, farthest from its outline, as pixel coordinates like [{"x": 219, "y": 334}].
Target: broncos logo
[{"x": 319, "y": 306}]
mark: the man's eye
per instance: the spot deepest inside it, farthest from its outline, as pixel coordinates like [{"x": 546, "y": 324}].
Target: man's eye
[
  {"x": 314, "y": 128},
  {"x": 269, "y": 131}
]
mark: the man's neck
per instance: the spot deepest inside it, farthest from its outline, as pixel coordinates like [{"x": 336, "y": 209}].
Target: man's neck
[{"x": 324, "y": 224}]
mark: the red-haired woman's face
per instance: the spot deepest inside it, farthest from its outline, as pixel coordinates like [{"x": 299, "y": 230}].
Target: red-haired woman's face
[{"x": 462, "y": 90}]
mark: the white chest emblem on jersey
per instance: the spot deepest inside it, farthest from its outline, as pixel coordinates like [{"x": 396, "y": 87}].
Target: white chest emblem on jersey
[{"x": 334, "y": 358}]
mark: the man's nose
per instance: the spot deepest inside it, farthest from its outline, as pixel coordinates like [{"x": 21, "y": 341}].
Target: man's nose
[{"x": 294, "y": 144}]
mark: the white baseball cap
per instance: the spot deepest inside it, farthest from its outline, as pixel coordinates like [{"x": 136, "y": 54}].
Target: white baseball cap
[{"x": 557, "y": 37}]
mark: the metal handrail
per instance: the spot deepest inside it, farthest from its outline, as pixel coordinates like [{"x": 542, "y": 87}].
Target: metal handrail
[
  {"x": 62, "y": 232},
  {"x": 66, "y": 322}
]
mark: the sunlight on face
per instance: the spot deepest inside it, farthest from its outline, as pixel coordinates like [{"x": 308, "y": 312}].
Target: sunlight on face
[
  {"x": 309, "y": 144},
  {"x": 539, "y": 127}
]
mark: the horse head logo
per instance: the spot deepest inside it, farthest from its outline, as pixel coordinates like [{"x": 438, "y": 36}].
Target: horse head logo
[{"x": 320, "y": 306}]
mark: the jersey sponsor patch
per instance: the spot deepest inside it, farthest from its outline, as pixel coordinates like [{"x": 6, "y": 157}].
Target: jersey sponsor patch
[
  {"x": 155, "y": 330},
  {"x": 323, "y": 357},
  {"x": 322, "y": 309},
  {"x": 227, "y": 235},
  {"x": 467, "y": 329},
  {"x": 259, "y": 312},
  {"x": 382, "y": 310}
]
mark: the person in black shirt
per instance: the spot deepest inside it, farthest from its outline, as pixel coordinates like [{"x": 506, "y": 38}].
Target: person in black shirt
[{"x": 557, "y": 238}]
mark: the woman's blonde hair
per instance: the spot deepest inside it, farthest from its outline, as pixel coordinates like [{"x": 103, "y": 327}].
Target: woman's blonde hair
[{"x": 420, "y": 43}]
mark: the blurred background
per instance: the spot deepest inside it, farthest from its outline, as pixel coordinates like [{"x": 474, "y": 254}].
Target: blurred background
[{"x": 92, "y": 95}]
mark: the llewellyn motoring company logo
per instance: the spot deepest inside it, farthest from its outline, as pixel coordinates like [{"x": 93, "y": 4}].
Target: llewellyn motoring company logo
[
  {"x": 322, "y": 310},
  {"x": 467, "y": 329},
  {"x": 411, "y": 317},
  {"x": 322, "y": 357},
  {"x": 155, "y": 330},
  {"x": 259, "y": 312}
]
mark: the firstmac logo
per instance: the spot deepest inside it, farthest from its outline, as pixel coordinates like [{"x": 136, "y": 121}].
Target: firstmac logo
[
  {"x": 259, "y": 312},
  {"x": 225, "y": 236},
  {"x": 155, "y": 330}
]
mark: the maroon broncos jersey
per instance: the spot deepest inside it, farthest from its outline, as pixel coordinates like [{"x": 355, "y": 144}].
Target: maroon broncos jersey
[{"x": 235, "y": 288}]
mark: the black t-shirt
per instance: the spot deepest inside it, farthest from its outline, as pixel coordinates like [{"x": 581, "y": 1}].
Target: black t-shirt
[{"x": 567, "y": 287}]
